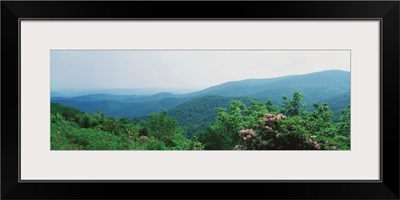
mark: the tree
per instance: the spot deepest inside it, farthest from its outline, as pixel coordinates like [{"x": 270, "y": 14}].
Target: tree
[
  {"x": 320, "y": 122},
  {"x": 160, "y": 125},
  {"x": 271, "y": 106},
  {"x": 215, "y": 137},
  {"x": 344, "y": 125},
  {"x": 293, "y": 107}
]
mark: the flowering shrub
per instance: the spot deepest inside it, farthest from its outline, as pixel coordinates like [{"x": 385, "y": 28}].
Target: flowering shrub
[
  {"x": 275, "y": 135},
  {"x": 263, "y": 126},
  {"x": 281, "y": 133}
]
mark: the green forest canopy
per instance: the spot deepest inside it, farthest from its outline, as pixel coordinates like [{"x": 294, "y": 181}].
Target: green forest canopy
[{"x": 251, "y": 125}]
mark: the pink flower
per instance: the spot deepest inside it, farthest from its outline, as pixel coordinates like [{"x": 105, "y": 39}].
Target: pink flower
[
  {"x": 269, "y": 115},
  {"x": 280, "y": 116},
  {"x": 252, "y": 132},
  {"x": 316, "y": 145},
  {"x": 242, "y": 132}
]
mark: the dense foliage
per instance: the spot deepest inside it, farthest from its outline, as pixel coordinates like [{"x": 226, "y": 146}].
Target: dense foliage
[
  {"x": 75, "y": 130},
  {"x": 243, "y": 125},
  {"x": 199, "y": 113},
  {"x": 264, "y": 126}
]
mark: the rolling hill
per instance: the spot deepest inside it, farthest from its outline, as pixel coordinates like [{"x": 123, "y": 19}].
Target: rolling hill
[
  {"x": 198, "y": 113},
  {"x": 332, "y": 86},
  {"x": 332, "y": 80}
]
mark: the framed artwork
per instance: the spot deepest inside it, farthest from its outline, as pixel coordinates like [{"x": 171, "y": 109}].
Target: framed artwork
[{"x": 274, "y": 100}]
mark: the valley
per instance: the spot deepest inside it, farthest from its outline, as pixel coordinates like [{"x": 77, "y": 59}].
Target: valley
[{"x": 196, "y": 110}]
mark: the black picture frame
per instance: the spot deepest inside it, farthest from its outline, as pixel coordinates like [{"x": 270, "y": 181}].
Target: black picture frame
[{"x": 13, "y": 11}]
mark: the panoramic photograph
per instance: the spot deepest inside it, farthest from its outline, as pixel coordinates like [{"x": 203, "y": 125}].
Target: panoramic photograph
[{"x": 200, "y": 100}]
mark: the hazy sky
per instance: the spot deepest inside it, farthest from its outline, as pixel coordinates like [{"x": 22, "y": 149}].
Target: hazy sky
[{"x": 100, "y": 69}]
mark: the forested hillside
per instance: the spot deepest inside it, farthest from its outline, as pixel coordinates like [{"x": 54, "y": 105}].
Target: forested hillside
[
  {"x": 318, "y": 85},
  {"x": 72, "y": 129},
  {"x": 198, "y": 113},
  {"x": 120, "y": 109},
  {"x": 327, "y": 86},
  {"x": 243, "y": 125}
]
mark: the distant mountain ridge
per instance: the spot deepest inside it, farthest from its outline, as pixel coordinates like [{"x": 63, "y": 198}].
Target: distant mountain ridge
[
  {"x": 335, "y": 80},
  {"x": 316, "y": 87},
  {"x": 122, "y": 91}
]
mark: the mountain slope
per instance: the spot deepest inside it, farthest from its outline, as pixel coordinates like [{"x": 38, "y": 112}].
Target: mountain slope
[
  {"x": 333, "y": 80},
  {"x": 198, "y": 113},
  {"x": 316, "y": 87},
  {"x": 337, "y": 103},
  {"x": 121, "y": 109}
]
